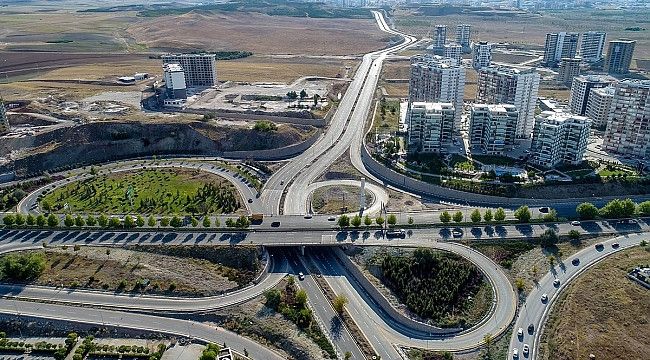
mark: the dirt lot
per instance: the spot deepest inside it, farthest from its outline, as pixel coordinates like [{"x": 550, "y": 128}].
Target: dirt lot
[
  {"x": 92, "y": 267},
  {"x": 261, "y": 34},
  {"x": 337, "y": 199},
  {"x": 602, "y": 313}
]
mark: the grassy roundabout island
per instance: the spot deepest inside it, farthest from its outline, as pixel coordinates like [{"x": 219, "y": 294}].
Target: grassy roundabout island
[{"x": 159, "y": 191}]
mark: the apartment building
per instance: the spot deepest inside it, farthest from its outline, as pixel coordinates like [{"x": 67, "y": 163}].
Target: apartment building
[
  {"x": 559, "y": 45},
  {"x": 453, "y": 51},
  {"x": 4, "y": 122},
  {"x": 569, "y": 68},
  {"x": 493, "y": 126},
  {"x": 464, "y": 35},
  {"x": 200, "y": 69},
  {"x": 175, "y": 81},
  {"x": 481, "y": 54},
  {"x": 437, "y": 79},
  {"x": 592, "y": 46},
  {"x": 619, "y": 56},
  {"x": 431, "y": 126},
  {"x": 580, "y": 90},
  {"x": 510, "y": 85},
  {"x": 439, "y": 39},
  {"x": 559, "y": 138},
  {"x": 598, "y": 106},
  {"x": 628, "y": 125}
]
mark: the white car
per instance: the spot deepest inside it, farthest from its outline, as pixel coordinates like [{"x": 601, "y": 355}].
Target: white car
[
  {"x": 525, "y": 349},
  {"x": 575, "y": 223},
  {"x": 301, "y": 276},
  {"x": 520, "y": 332},
  {"x": 515, "y": 353},
  {"x": 544, "y": 298}
]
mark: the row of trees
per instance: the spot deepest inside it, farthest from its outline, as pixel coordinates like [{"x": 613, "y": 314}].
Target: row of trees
[
  {"x": 615, "y": 209},
  {"x": 345, "y": 221}
]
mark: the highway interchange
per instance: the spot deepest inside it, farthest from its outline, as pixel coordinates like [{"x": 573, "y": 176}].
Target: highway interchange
[{"x": 285, "y": 196}]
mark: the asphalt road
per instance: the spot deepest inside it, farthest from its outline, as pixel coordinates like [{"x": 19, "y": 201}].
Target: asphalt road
[{"x": 535, "y": 311}]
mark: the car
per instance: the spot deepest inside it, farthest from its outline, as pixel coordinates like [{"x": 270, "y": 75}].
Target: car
[
  {"x": 556, "y": 282},
  {"x": 531, "y": 328},
  {"x": 615, "y": 245},
  {"x": 301, "y": 276},
  {"x": 515, "y": 353},
  {"x": 575, "y": 223},
  {"x": 282, "y": 182},
  {"x": 250, "y": 201},
  {"x": 520, "y": 333},
  {"x": 525, "y": 349},
  {"x": 575, "y": 262},
  {"x": 544, "y": 298},
  {"x": 275, "y": 224},
  {"x": 396, "y": 233},
  {"x": 544, "y": 210},
  {"x": 457, "y": 233},
  {"x": 600, "y": 247},
  {"x": 331, "y": 218},
  {"x": 308, "y": 216}
]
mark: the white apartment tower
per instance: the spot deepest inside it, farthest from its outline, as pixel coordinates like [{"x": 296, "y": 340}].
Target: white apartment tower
[
  {"x": 431, "y": 126},
  {"x": 592, "y": 46},
  {"x": 558, "y": 46},
  {"x": 628, "y": 125},
  {"x": 481, "y": 54},
  {"x": 559, "y": 138},
  {"x": 493, "y": 126},
  {"x": 440, "y": 37},
  {"x": 599, "y": 105},
  {"x": 437, "y": 79},
  {"x": 454, "y": 51},
  {"x": 200, "y": 69},
  {"x": 580, "y": 90},
  {"x": 175, "y": 81},
  {"x": 464, "y": 35},
  {"x": 509, "y": 85}
]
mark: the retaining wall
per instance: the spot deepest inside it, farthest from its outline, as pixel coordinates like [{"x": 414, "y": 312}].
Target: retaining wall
[{"x": 274, "y": 154}]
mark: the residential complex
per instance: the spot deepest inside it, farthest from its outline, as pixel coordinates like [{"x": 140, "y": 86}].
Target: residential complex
[
  {"x": 464, "y": 35},
  {"x": 569, "y": 68},
  {"x": 599, "y": 106},
  {"x": 509, "y": 85},
  {"x": 619, "y": 56},
  {"x": 481, "y": 54},
  {"x": 437, "y": 79},
  {"x": 454, "y": 51},
  {"x": 559, "y": 138},
  {"x": 175, "y": 81},
  {"x": 200, "y": 69},
  {"x": 628, "y": 125},
  {"x": 558, "y": 46},
  {"x": 492, "y": 127},
  {"x": 592, "y": 46},
  {"x": 4, "y": 122},
  {"x": 580, "y": 90},
  {"x": 439, "y": 38},
  {"x": 431, "y": 126}
]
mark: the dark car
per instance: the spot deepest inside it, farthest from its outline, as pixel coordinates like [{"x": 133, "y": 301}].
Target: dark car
[
  {"x": 531, "y": 328},
  {"x": 615, "y": 245},
  {"x": 275, "y": 224},
  {"x": 575, "y": 262}
]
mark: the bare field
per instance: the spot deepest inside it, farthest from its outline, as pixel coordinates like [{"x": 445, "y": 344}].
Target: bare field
[
  {"x": 602, "y": 313},
  {"x": 530, "y": 29},
  {"x": 262, "y": 69},
  {"x": 261, "y": 34}
]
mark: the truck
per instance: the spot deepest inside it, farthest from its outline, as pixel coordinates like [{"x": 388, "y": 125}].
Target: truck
[{"x": 256, "y": 218}]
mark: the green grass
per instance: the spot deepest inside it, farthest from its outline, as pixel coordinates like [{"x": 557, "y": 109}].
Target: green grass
[
  {"x": 495, "y": 160},
  {"x": 390, "y": 123},
  {"x": 614, "y": 172},
  {"x": 161, "y": 191}
]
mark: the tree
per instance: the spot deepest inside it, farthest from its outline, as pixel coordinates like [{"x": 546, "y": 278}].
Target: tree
[
  {"x": 347, "y": 356},
  {"x": 356, "y": 221},
  {"x": 151, "y": 222},
  {"x": 343, "y": 221},
  {"x": 176, "y": 221},
  {"x": 273, "y": 298},
  {"x": 301, "y": 298},
  {"x": 79, "y": 221},
  {"x": 9, "y": 220},
  {"x": 574, "y": 235},
  {"x": 108, "y": 253},
  {"x": 128, "y": 222},
  {"x": 475, "y": 216},
  {"x": 206, "y": 222},
  {"x": 292, "y": 95},
  {"x": 445, "y": 217},
  {"x": 303, "y": 94},
  {"x": 551, "y": 261},
  {"x": 587, "y": 211},
  {"x": 46, "y": 205},
  {"x": 40, "y": 220},
  {"x": 91, "y": 221},
  {"x": 551, "y": 216},
  {"x": 139, "y": 221},
  {"x": 523, "y": 214},
  {"x": 164, "y": 221},
  {"x": 20, "y": 219},
  {"x": 242, "y": 222},
  {"x": 458, "y": 217},
  {"x": 339, "y": 304},
  {"x": 31, "y": 220},
  {"x": 392, "y": 219},
  {"x": 367, "y": 221},
  {"x": 68, "y": 221},
  {"x": 316, "y": 97},
  {"x": 114, "y": 222},
  {"x": 487, "y": 216},
  {"x": 499, "y": 215},
  {"x": 410, "y": 220},
  {"x": 548, "y": 238},
  {"x": 487, "y": 340},
  {"x": 644, "y": 208},
  {"x": 194, "y": 222},
  {"x": 102, "y": 220},
  {"x": 520, "y": 284},
  {"x": 618, "y": 208},
  {"x": 379, "y": 221},
  {"x": 52, "y": 220}
]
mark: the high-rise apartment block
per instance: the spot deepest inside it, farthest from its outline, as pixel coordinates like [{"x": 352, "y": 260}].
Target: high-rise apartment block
[
  {"x": 628, "y": 125},
  {"x": 569, "y": 68},
  {"x": 558, "y": 46},
  {"x": 175, "y": 81},
  {"x": 493, "y": 126},
  {"x": 559, "y": 138},
  {"x": 464, "y": 35},
  {"x": 431, "y": 126},
  {"x": 439, "y": 37},
  {"x": 200, "y": 69},
  {"x": 619, "y": 56},
  {"x": 481, "y": 54},
  {"x": 580, "y": 90},
  {"x": 454, "y": 51},
  {"x": 437, "y": 79},
  {"x": 4, "y": 122},
  {"x": 592, "y": 46},
  {"x": 509, "y": 85},
  {"x": 599, "y": 106}
]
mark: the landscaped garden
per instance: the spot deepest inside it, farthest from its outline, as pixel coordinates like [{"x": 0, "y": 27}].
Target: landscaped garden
[{"x": 159, "y": 191}]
